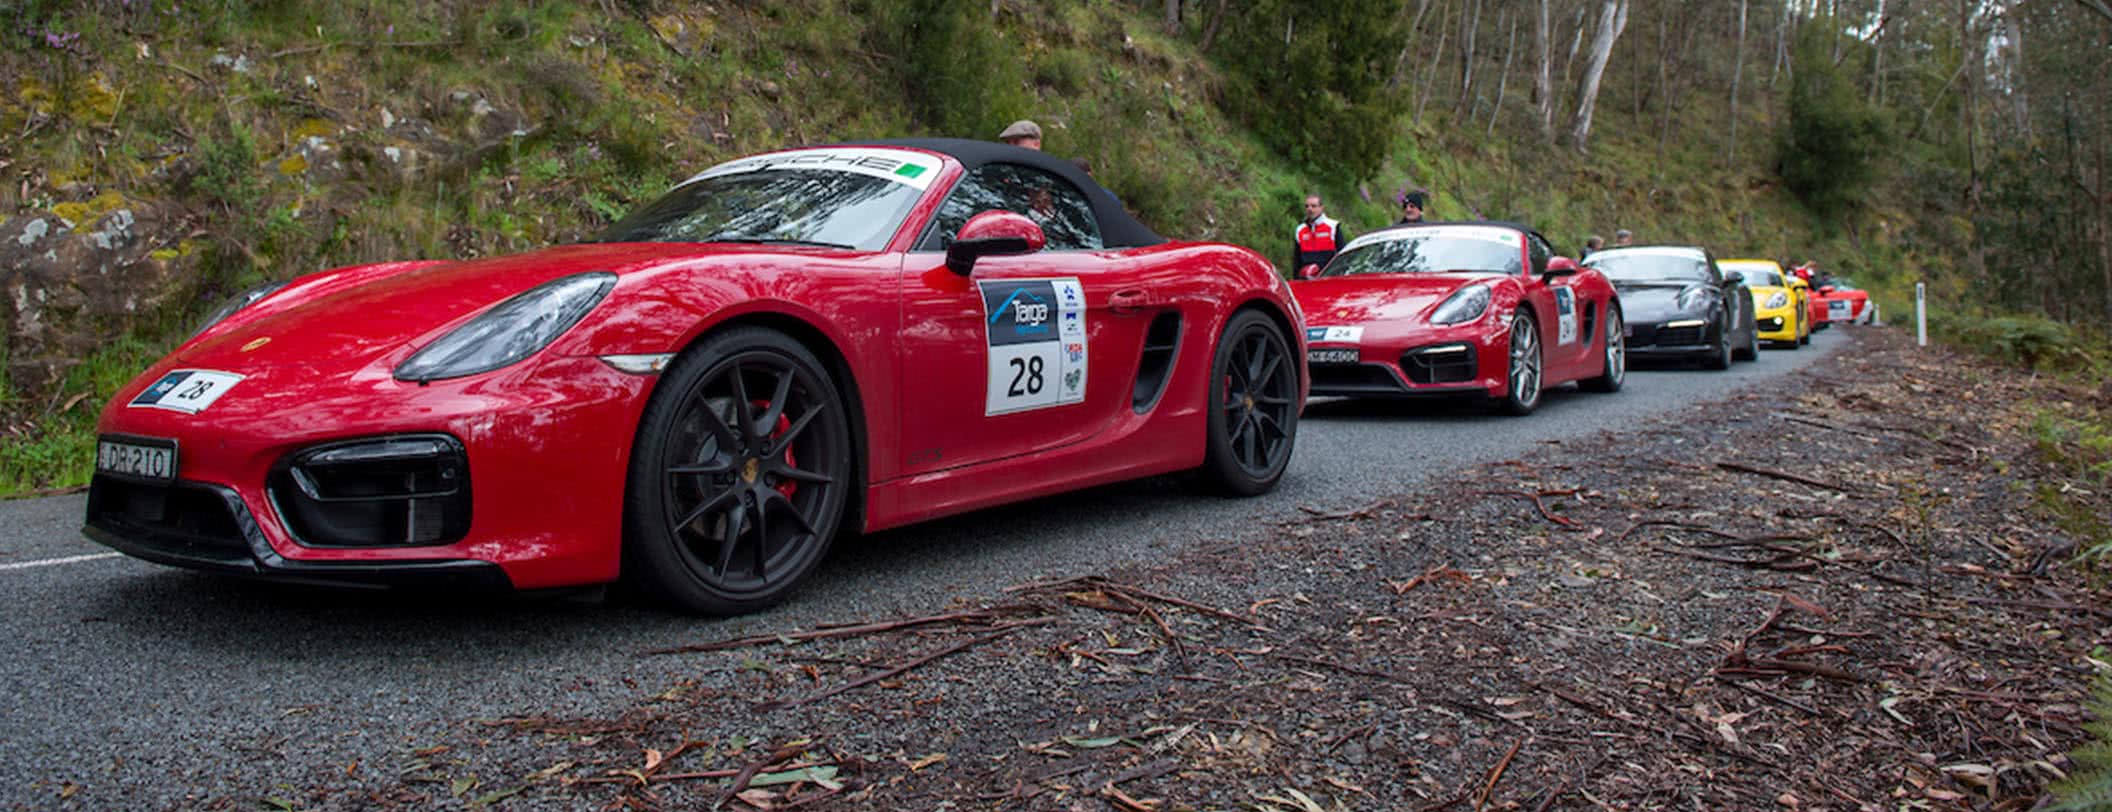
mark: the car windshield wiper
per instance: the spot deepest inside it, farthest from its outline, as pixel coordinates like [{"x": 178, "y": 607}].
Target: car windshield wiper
[{"x": 771, "y": 241}]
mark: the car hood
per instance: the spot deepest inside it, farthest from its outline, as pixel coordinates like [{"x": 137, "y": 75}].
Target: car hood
[
  {"x": 1367, "y": 298},
  {"x": 1648, "y": 302},
  {"x": 353, "y": 317}
]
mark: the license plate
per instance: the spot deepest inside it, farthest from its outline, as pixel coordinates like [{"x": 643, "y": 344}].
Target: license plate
[
  {"x": 137, "y": 458},
  {"x": 1331, "y": 356},
  {"x": 1838, "y": 310}
]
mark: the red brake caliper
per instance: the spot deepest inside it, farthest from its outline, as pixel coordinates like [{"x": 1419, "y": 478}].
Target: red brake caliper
[{"x": 787, "y": 487}]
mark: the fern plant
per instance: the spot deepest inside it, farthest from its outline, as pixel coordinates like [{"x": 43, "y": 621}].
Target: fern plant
[{"x": 2089, "y": 785}]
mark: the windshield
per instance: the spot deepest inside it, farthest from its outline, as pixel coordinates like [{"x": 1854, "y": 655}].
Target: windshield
[
  {"x": 1433, "y": 251},
  {"x": 1627, "y": 267},
  {"x": 1758, "y": 276},
  {"x": 799, "y": 206}
]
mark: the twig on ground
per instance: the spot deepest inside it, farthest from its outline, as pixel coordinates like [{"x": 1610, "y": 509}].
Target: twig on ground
[
  {"x": 1496, "y": 775},
  {"x": 1787, "y": 477},
  {"x": 972, "y": 616},
  {"x": 896, "y": 671}
]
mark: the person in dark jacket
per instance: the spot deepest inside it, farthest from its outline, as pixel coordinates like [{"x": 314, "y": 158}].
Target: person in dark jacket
[
  {"x": 1412, "y": 205},
  {"x": 1317, "y": 237}
]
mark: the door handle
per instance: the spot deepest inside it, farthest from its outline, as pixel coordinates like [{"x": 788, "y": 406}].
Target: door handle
[{"x": 1128, "y": 301}]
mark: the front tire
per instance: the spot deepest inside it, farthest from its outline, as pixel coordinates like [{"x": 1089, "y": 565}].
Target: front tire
[
  {"x": 739, "y": 475},
  {"x": 1720, "y": 359},
  {"x": 1524, "y": 374},
  {"x": 1615, "y": 367},
  {"x": 1252, "y": 421}
]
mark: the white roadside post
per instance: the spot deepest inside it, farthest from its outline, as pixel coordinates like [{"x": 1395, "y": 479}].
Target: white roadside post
[{"x": 1921, "y": 314}]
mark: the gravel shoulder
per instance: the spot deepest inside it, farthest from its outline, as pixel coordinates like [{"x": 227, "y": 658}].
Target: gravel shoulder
[{"x": 1832, "y": 594}]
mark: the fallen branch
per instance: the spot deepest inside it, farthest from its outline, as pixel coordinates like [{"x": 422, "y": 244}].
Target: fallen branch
[
  {"x": 1364, "y": 512},
  {"x": 1496, "y": 775},
  {"x": 973, "y": 616},
  {"x": 900, "y": 669},
  {"x": 1563, "y": 788},
  {"x": 1333, "y": 666},
  {"x": 1542, "y": 506},
  {"x": 1786, "y": 477}
]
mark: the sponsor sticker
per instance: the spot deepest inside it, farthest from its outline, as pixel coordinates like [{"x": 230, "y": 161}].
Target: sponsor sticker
[
  {"x": 913, "y": 169},
  {"x": 186, "y": 390},
  {"x": 1035, "y": 329},
  {"x": 1565, "y": 316},
  {"x": 1340, "y": 335}
]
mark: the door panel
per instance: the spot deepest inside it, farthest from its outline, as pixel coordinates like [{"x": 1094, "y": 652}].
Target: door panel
[{"x": 1004, "y": 363}]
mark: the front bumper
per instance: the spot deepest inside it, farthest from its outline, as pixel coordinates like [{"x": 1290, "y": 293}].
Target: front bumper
[
  {"x": 1777, "y": 325},
  {"x": 1656, "y": 339},
  {"x": 208, "y": 527},
  {"x": 1448, "y": 361},
  {"x": 546, "y": 444}
]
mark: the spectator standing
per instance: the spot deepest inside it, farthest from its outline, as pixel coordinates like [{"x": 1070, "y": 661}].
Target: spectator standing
[
  {"x": 1593, "y": 244},
  {"x": 1623, "y": 238},
  {"x": 1317, "y": 237},
  {"x": 1022, "y": 133},
  {"x": 1412, "y": 205}
]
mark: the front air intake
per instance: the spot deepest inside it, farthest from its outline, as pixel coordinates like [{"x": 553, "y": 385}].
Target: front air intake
[{"x": 402, "y": 491}]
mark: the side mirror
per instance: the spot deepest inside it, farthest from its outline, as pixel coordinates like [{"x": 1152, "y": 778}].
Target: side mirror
[
  {"x": 1825, "y": 288},
  {"x": 992, "y": 233},
  {"x": 1734, "y": 277},
  {"x": 1560, "y": 266},
  {"x": 1309, "y": 272}
]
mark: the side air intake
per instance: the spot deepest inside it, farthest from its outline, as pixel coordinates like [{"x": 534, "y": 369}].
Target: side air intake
[{"x": 1160, "y": 342}]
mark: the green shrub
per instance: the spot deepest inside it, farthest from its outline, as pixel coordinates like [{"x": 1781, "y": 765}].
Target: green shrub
[
  {"x": 961, "y": 76},
  {"x": 2089, "y": 785},
  {"x": 1309, "y": 78},
  {"x": 1829, "y": 150}
]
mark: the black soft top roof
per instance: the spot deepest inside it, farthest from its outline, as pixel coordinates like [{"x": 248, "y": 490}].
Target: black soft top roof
[{"x": 1117, "y": 228}]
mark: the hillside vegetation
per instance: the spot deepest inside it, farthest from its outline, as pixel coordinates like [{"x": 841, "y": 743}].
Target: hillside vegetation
[{"x": 160, "y": 157}]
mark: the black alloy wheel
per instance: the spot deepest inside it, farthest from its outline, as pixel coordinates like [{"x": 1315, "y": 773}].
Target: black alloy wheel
[
  {"x": 1615, "y": 367},
  {"x": 739, "y": 475},
  {"x": 1254, "y": 420},
  {"x": 1526, "y": 365}
]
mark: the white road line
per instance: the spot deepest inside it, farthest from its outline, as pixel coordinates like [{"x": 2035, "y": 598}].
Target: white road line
[{"x": 53, "y": 562}]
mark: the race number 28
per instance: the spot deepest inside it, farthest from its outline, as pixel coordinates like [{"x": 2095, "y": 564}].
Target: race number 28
[{"x": 1035, "y": 339}]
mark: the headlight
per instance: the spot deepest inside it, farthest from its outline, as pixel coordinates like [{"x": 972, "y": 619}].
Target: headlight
[
  {"x": 509, "y": 331},
  {"x": 1692, "y": 297},
  {"x": 240, "y": 300},
  {"x": 1466, "y": 304},
  {"x": 1780, "y": 299}
]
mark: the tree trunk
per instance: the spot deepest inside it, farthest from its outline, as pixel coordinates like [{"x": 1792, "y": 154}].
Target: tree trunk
[
  {"x": 1217, "y": 19},
  {"x": 1612, "y": 19},
  {"x": 1730, "y": 154},
  {"x": 1469, "y": 23},
  {"x": 1543, "y": 88},
  {"x": 1422, "y": 93},
  {"x": 1408, "y": 39},
  {"x": 1783, "y": 15},
  {"x": 1576, "y": 43},
  {"x": 1503, "y": 80},
  {"x": 1173, "y": 15},
  {"x": 2015, "y": 35}
]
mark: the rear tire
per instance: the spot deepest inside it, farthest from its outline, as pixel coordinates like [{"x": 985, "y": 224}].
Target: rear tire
[
  {"x": 1527, "y": 368},
  {"x": 1252, "y": 417},
  {"x": 739, "y": 475},
  {"x": 1751, "y": 350},
  {"x": 1615, "y": 368}
]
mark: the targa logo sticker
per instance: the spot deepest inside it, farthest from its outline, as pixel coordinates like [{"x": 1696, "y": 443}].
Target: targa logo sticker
[
  {"x": 1349, "y": 335},
  {"x": 1035, "y": 329},
  {"x": 186, "y": 390}
]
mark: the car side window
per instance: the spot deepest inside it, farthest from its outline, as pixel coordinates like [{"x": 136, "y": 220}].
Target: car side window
[
  {"x": 1540, "y": 252},
  {"x": 1066, "y": 219}
]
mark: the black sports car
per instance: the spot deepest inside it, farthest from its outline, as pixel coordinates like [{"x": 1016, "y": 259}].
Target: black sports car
[{"x": 1678, "y": 303}]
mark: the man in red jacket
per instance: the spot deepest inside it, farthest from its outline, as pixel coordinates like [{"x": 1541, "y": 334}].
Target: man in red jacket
[{"x": 1317, "y": 238}]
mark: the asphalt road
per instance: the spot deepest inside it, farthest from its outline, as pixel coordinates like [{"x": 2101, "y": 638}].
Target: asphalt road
[{"x": 140, "y": 686}]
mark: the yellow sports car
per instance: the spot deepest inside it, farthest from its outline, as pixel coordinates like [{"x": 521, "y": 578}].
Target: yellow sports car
[{"x": 1780, "y": 301}]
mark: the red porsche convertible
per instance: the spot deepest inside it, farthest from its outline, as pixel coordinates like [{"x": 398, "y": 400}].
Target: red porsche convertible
[
  {"x": 1459, "y": 309},
  {"x": 699, "y": 400}
]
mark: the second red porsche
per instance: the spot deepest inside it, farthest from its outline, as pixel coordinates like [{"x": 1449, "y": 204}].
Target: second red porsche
[{"x": 1459, "y": 309}]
